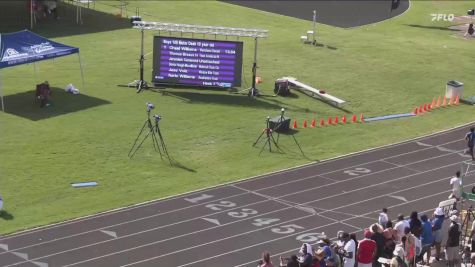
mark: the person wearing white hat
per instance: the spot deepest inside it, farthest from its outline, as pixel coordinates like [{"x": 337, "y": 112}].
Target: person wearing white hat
[
  {"x": 398, "y": 259},
  {"x": 452, "y": 245},
  {"x": 437, "y": 223}
]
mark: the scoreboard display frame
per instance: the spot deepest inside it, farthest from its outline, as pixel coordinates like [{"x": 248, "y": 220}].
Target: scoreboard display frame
[{"x": 195, "y": 62}]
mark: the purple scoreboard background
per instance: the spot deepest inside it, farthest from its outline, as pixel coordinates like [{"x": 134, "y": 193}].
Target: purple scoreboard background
[{"x": 196, "y": 62}]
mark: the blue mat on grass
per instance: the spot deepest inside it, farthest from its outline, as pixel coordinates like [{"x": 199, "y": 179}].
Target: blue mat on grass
[{"x": 388, "y": 117}]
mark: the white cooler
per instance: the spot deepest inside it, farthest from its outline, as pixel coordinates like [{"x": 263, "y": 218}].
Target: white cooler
[{"x": 454, "y": 89}]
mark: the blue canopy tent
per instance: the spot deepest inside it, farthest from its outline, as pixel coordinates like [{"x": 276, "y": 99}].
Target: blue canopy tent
[{"x": 25, "y": 47}]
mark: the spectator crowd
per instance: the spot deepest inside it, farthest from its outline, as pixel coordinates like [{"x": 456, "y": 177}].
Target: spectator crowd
[{"x": 416, "y": 240}]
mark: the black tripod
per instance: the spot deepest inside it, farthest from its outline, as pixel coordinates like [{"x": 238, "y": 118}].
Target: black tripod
[
  {"x": 466, "y": 226},
  {"x": 277, "y": 129},
  {"x": 269, "y": 137},
  {"x": 153, "y": 130}
]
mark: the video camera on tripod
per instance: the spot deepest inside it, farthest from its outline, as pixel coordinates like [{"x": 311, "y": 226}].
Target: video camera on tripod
[
  {"x": 148, "y": 129},
  {"x": 150, "y": 106}
]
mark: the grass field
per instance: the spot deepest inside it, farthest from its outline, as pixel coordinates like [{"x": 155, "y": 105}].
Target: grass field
[{"x": 380, "y": 69}]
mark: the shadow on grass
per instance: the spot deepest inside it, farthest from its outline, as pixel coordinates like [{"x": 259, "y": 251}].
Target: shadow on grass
[
  {"x": 25, "y": 105},
  {"x": 327, "y": 46},
  {"x": 181, "y": 166},
  {"x": 431, "y": 27},
  {"x": 6, "y": 215},
  {"x": 14, "y": 16},
  {"x": 224, "y": 99}
]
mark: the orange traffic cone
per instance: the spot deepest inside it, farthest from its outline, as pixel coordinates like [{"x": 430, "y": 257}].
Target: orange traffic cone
[
  {"x": 336, "y": 121},
  {"x": 343, "y": 120},
  {"x": 426, "y": 107},
  {"x": 457, "y": 99},
  {"x": 295, "y": 124},
  {"x": 421, "y": 109},
  {"x": 304, "y": 124},
  {"x": 313, "y": 123},
  {"x": 330, "y": 122},
  {"x": 322, "y": 122},
  {"x": 361, "y": 118},
  {"x": 416, "y": 111},
  {"x": 353, "y": 118},
  {"x": 432, "y": 105},
  {"x": 439, "y": 100},
  {"x": 429, "y": 107},
  {"x": 444, "y": 104}
]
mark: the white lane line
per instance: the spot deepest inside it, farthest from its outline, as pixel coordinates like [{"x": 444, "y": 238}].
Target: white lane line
[
  {"x": 174, "y": 252},
  {"x": 21, "y": 255},
  {"x": 4, "y": 247},
  {"x": 403, "y": 199},
  {"x": 257, "y": 177},
  {"x": 281, "y": 201},
  {"x": 302, "y": 206},
  {"x": 424, "y": 144},
  {"x": 233, "y": 196},
  {"x": 152, "y": 229},
  {"x": 443, "y": 149},
  {"x": 206, "y": 229},
  {"x": 40, "y": 264},
  {"x": 394, "y": 192},
  {"x": 346, "y": 168},
  {"x": 402, "y": 166},
  {"x": 267, "y": 241},
  {"x": 330, "y": 179},
  {"x": 110, "y": 233},
  {"x": 214, "y": 221}
]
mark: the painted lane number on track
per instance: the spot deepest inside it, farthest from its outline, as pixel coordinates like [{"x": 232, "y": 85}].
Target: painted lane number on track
[
  {"x": 305, "y": 238},
  {"x": 199, "y": 198},
  {"x": 286, "y": 229},
  {"x": 310, "y": 237},
  {"x": 357, "y": 171},
  {"x": 243, "y": 213},
  {"x": 222, "y": 204}
]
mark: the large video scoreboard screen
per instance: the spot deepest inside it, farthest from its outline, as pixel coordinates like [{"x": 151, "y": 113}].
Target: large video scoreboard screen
[{"x": 196, "y": 62}]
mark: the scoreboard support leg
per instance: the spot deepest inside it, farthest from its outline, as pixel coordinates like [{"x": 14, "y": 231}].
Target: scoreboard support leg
[
  {"x": 141, "y": 83},
  {"x": 253, "y": 90}
]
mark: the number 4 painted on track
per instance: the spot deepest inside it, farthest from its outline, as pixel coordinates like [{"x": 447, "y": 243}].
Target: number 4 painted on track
[{"x": 264, "y": 221}]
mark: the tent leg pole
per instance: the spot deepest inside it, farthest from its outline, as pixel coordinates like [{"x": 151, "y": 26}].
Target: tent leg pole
[
  {"x": 1, "y": 92},
  {"x": 36, "y": 72},
  {"x": 82, "y": 73},
  {"x": 31, "y": 14}
]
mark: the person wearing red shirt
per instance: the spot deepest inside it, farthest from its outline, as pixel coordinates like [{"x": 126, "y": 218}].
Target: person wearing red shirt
[{"x": 366, "y": 250}]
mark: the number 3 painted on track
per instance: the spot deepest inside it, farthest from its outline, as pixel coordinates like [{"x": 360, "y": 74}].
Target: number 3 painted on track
[{"x": 357, "y": 171}]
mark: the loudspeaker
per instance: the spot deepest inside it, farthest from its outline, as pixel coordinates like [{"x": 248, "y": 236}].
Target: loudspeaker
[
  {"x": 280, "y": 124},
  {"x": 281, "y": 87}
]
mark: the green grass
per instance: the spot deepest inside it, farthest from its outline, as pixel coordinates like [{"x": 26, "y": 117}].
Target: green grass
[{"x": 380, "y": 69}]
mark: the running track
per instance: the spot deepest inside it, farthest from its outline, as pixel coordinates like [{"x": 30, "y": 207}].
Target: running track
[{"x": 231, "y": 224}]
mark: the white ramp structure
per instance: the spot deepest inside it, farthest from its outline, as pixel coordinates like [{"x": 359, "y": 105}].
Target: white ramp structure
[{"x": 313, "y": 92}]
